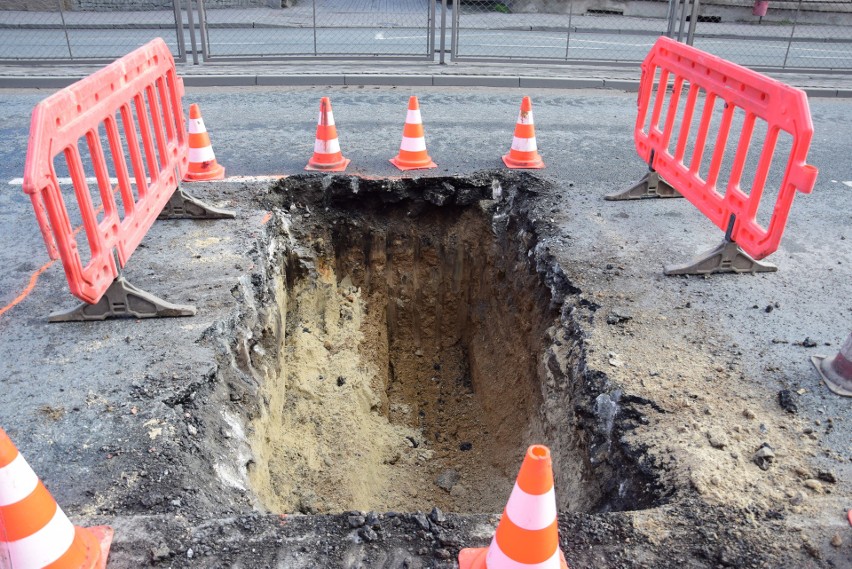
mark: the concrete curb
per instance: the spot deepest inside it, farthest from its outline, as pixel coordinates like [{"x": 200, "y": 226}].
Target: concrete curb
[{"x": 413, "y": 80}]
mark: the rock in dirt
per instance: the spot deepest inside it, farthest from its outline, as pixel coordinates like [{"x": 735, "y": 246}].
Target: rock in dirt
[
  {"x": 814, "y": 485},
  {"x": 447, "y": 479},
  {"x": 808, "y": 343},
  {"x": 764, "y": 456},
  {"x": 827, "y": 476},
  {"x": 717, "y": 438},
  {"x": 422, "y": 521},
  {"x": 615, "y": 360},
  {"x": 786, "y": 401},
  {"x": 367, "y": 534},
  {"x": 356, "y": 521},
  {"x": 160, "y": 553},
  {"x": 836, "y": 541},
  {"x": 437, "y": 516},
  {"x": 442, "y": 553},
  {"x": 618, "y": 316}
]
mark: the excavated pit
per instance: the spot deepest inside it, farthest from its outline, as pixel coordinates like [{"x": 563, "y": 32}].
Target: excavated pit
[{"x": 422, "y": 338}]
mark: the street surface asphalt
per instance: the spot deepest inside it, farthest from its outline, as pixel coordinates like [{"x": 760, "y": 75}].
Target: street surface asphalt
[{"x": 585, "y": 138}]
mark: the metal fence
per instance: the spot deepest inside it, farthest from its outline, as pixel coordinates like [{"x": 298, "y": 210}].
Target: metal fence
[
  {"x": 794, "y": 34},
  {"x": 333, "y": 29},
  {"x": 802, "y": 34},
  {"x": 81, "y": 31}
]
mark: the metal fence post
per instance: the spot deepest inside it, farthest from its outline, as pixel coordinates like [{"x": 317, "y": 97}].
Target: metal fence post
[
  {"x": 693, "y": 21},
  {"x": 454, "y": 32},
  {"x": 191, "y": 22},
  {"x": 568, "y": 35},
  {"x": 682, "y": 25},
  {"x": 671, "y": 17},
  {"x": 792, "y": 33},
  {"x": 202, "y": 30},
  {"x": 443, "y": 31},
  {"x": 65, "y": 28},
  {"x": 314, "y": 2},
  {"x": 178, "y": 31}
]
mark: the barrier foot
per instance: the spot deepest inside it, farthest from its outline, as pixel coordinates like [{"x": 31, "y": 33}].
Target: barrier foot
[
  {"x": 726, "y": 258},
  {"x": 123, "y": 300},
  {"x": 650, "y": 186},
  {"x": 184, "y": 206}
]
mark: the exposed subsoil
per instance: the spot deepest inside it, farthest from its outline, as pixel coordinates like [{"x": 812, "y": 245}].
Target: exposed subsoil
[
  {"x": 393, "y": 346},
  {"x": 420, "y": 346}
]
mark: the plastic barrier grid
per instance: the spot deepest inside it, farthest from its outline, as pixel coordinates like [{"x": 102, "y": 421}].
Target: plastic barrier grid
[
  {"x": 144, "y": 81},
  {"x": 664, "y": 147}
]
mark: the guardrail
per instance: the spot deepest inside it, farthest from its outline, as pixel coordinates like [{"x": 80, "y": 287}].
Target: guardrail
[
  {"x": 685, "y": 130},
  {"x": 144, "y": 89}
]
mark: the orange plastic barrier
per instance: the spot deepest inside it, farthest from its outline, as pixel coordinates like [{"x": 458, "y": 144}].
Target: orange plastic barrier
[
  {"x": 662, "y": 138},
  {"x": 144, "y": 81}
]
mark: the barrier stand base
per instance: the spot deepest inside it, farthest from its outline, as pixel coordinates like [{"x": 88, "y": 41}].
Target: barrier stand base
[
  {"x": 123, "y": 300},
  {"x": 650, "y": 186},
  {"x": 184, "y": 206},
  {"x": 726, "y": 258}
]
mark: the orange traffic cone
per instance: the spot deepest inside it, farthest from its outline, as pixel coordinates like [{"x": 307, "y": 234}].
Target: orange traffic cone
[
  {"x": 34, "y": 530},
  {"x": 412, "y": 152},
  {"x": 524, "y": 152},
  {"x": 836, "y": 372},
  {"x": 527, "y": 535},
  {"x": 202, "y": 161},
  {"x": 327, "y": 156}
]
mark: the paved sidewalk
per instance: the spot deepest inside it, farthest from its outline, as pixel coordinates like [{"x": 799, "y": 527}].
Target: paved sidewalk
[{"x": 402, "y": 74}]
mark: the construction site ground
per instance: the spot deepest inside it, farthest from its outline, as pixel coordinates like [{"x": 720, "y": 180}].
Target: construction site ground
[{"x": 260, "y": 433}]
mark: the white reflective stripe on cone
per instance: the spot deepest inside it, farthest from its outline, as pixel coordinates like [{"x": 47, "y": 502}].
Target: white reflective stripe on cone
[
  {"x": 525, "y": 119},
  {"x": 531, "y": 511},
  {"x": 327, "y": 146},
  {"x": 201, "y": 154},
  {"x": 196, "y": 126},
  {"x": 413, "y": 117},
  {"x": 44, "y": 546},
  {"x": 524, "y": 144},
  {"x": 413, "y": 144},
  {"x": 499, "y": 560},
  {"x": 330, "y": 116},
  {"x": 17, "y": 481}
]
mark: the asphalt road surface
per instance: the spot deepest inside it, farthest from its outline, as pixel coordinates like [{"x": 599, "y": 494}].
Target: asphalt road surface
[{"x": 585, "y": 138}]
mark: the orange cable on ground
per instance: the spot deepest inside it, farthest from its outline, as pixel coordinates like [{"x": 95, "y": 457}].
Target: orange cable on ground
[
  {"x": 34, "y": 277},
  {"x": 28, "y": 289}
]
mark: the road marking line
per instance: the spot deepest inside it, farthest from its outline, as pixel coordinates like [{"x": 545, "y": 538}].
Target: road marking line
[{"x": 228, "y": 180}]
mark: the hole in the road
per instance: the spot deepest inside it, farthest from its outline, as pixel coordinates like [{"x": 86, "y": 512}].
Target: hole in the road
[{"x": 421, "y": 353}]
